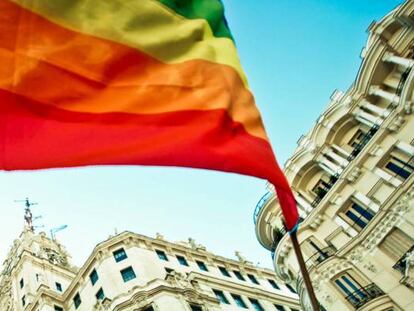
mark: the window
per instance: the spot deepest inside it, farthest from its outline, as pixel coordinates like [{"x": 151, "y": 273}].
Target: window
[
  {"x": 321, "y": 188},
  {"x": 221, "y": 297},
  {"x": 256, "y": 305},
  {"x": 238, "y": 275},
  {"x": 149, "y": 309},
  {"x": 161, "y": 255},
  {"x": 23, "y": 300},
  {"x": 57, "y": 308},
  {"x": 280, "y": 308},
  {"x": 196, "y": 308},
  {"x": 202, "y": 266},
  {"x": 169, "y": 270},
  {"x": 77, "y": 300},
  {"x": 94, "y": 277},
  {"x": 400, "y": 164},
  {"x": 128, "y": 274},
  {"x": 224, "y": 271},
  {"x": 253, "y": 278},
  {"x": 182, "y": 260},
  {"x": 291, "y": 288},
  {"x": 239, "y": 301},
  {"x": 21, "y": 283},
  {"x": 58, "y": 287},
  {"x": 358, "y": 215},
  {"x": 356, "y": 138},
  {"x": 349, "y": 287},
  {"x": 297, "y": 309},
  {"x": 100, "y": 295},
  {"x": 273, "y": 283},
  {"x": 120, "y": 255}
]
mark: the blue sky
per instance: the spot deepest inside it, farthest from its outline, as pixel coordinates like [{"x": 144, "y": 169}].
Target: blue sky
[{"x": 295, "y": 53}]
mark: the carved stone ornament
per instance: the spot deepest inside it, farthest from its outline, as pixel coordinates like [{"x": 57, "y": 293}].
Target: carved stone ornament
[
  {"x": 408, "y": 107},
  {"x": 370, "y": 267},
  {"x": 396, "y": 124}
]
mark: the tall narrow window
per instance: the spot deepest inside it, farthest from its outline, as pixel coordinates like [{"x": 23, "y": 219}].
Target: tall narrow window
[
  {"x": 100, "y": 295},
  {"x": 238, "y": 275},
  {"x": 23, "y": 300},
  {"x": 77, "y": 300},
  {"x": 202, "y": 266},
  {"x": 280, "y": 308},
  {"x": 290, "y": 288},
  {"x": 196, "y": 308},
  {"x": 239, "y": 301},
  {"x": 221, "y": 297},
  {"x": 161, "y": 255},
  {"x": 21, "y": 283},
  {"x": 58, "y": 287},
  {"x": 400, "y": 164},
  {"x": 358, "y": 215},
  {"x": 253, "y": 278},
  {"x": 350, "y": 287},
  {"x": 256, "y": 304},
  {"x": 120, "y": 255},
  {"x": 128, "y": 274},
  {"x": 273, "y": 283},
  {"x": 182, "y": 260},
  {"x": 57, "y": 308},
  {"x": 224, "y": 271},
  {"x": 93, "y": 277}
]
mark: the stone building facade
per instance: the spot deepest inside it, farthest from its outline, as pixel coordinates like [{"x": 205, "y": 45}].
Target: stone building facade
[
  {"x": 134, "y": 272},
  {"x": 352, "y": 176}
]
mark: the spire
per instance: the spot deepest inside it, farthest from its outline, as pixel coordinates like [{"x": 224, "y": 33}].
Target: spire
[{"x": 28, "y": 215}]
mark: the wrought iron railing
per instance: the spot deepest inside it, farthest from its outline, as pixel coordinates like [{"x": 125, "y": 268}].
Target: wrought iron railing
[
  {"x": 324, "y": 190},
  {"x": 404, "y": 77},
  {"x": 402, "y": 263},
  {"x": 259, "y": 206},
  {"x": 363, "y": 295},
  {"x": 321, "y": 255},
  {"x": 363, "y": 142}
]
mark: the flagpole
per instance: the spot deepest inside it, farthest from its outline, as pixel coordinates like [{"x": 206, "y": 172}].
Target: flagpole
[{"x": 304, "y": 270}]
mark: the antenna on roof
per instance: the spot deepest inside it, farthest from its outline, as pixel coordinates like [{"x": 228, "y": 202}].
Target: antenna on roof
[
  {"x": 28, "y": 216},
  {"x": 53, "y": 231}
]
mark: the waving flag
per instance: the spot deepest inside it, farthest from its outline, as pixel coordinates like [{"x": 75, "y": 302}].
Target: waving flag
[{"x": 125, "y": 82}]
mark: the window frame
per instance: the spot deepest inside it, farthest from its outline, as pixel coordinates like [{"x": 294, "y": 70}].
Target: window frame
[
  {"x": 182, "y": 260},
  {"x": 221, "y": 296},
  {"x": 94, "y": 277},
  {"x": 224, "y": 271},
  {"x": 120, "y": 254},
  {"x": 77, "y": 300},
  {"x": 162, "y": 255},
  {"x": 125, "y": 270},
  {"x": 238, "y": 299}
]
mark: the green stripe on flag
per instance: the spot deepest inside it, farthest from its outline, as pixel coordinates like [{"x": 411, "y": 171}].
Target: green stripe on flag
[{"x": 210, "y": 10}]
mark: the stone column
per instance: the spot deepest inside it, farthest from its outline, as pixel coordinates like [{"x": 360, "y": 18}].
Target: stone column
[
  {"x": 307, "y": 208},
  {"x": 367, "y": 118},
  {"x": 343, "y": 162},
  {"x": 377, "y": 91},
  {"x": 392, "y": 58},
  {"x": 382, "y": 112},
  {"x": 329, "y": 166}
]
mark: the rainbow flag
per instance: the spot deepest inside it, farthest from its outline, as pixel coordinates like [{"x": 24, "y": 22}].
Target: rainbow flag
[{"x": 128, "y": 82}]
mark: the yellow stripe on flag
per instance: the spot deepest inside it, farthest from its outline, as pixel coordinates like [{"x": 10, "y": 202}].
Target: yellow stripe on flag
[{"x": 146, "y": 25}]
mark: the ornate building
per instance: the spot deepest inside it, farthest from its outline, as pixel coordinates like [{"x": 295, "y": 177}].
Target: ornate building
[
  {"x": 352, "y": 175},
  {"x": 134, "y": 272}
]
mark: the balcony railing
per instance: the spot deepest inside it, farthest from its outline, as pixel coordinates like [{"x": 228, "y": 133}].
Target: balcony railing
[
  {"x": 324, "y": 190},
  {"x": 321, "y": 255},
  {"x": 363, "y": 295},
  {"x": 363, "y": 142},
  {"x": 262, "y": 202},
  {"x": 404, "y": 77},
  {"x": 402, "y": 262}
]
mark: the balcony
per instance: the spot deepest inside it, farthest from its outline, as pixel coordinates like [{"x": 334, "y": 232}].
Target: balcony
[
  {"x": 259, "y": 206},
  {"x": 323, "y": 191},
  {"x": 363, "y": 295},
  {"x": 321, "y": 255},
  {"x": 402, "y": 262},
  {"x": 363, "y": 142}
]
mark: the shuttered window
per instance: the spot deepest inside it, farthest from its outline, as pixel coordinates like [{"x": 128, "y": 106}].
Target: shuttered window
[{"x": 396, "y": 243}]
